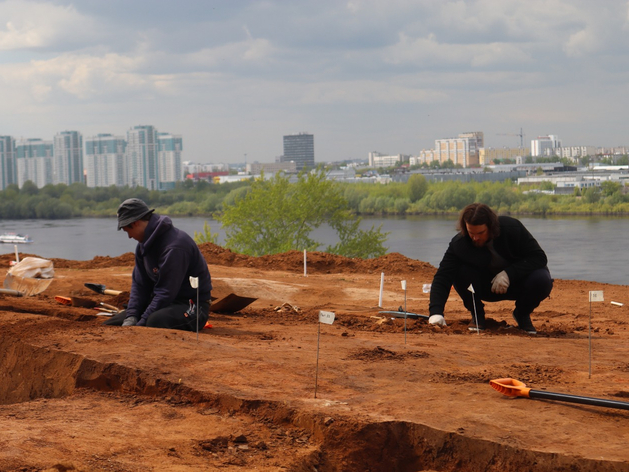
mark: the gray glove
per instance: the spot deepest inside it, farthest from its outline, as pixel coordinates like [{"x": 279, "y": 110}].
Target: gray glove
[
  {"x": 438, "y": 320},
  {"x": 130, "y": 321},
  {"x": 500, "y": 283}
]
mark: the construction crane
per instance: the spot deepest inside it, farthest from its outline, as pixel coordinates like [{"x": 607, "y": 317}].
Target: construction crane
[{"x": 520, "y": 134}]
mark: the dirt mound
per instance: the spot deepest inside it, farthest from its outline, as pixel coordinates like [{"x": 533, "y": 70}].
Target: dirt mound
[{"x": 316, "y": 262}]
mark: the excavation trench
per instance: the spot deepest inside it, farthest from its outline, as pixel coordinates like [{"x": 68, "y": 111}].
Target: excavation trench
[{"x": 316, "y": 442}]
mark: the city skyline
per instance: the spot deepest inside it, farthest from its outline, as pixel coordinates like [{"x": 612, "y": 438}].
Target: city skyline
[{"x": 361, "y": 76}]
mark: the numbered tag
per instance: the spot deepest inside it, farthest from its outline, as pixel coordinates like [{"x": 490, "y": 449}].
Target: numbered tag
[
  {"x": 194, "y": 282},
  {"x": 596, "y": 296},
  {"x": 326, "y": 317}
]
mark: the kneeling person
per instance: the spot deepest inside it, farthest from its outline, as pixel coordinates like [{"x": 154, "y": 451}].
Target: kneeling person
[
  {"x": 500, "y": 259},
  {"x": 165, "y": 259}
]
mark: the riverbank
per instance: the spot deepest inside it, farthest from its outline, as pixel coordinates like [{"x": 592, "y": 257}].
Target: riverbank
[
  {"x": 577, "y": 248},
  {"x": 390, "y": 394}
]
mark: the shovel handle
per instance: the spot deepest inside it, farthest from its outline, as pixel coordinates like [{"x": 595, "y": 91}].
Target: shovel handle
[
  {"x": 8, "y": 291},
  {"x": 108, "y": 291},
  {"x": 515, "y": 388},
  {"x": 109, "y": 307}
]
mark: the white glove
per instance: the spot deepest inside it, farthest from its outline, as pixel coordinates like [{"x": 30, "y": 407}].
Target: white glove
[
  {"x": 500, "y": 283},
  {"x": 438, "y": 320}
]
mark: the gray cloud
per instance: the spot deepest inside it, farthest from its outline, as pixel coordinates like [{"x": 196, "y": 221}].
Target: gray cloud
[{"x": 362, "y": 75}]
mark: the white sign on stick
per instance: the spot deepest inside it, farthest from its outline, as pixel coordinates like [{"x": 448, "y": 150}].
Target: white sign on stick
[
  {"x": 326, "y": 317},
  {"x": 596, "y": 296}
]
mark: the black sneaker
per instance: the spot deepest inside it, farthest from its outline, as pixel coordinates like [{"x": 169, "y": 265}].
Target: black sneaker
[{"x": 524, "y": 323}]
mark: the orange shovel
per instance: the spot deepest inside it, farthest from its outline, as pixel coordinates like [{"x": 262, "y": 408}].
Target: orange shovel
[{"x": 515, "y": 388}]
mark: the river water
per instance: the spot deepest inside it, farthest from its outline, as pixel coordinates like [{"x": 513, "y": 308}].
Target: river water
[{"x": 589, "y": 248}]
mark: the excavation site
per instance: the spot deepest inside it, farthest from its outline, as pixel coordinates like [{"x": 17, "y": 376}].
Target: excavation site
[{"x": 301, "y": 368}]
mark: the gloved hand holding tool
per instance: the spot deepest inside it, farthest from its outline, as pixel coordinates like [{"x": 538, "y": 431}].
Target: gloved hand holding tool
[{"x": 500, "y": 283}]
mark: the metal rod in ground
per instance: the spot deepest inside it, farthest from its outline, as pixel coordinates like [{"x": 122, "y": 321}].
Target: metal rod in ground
[
  {"x": 471, "y": 289},
  {"x": 590, "y": 342},
  {"x": 198, "y": 313},
  {"x": 317, "y": 368},
  {"x": 405, "y": 312}
]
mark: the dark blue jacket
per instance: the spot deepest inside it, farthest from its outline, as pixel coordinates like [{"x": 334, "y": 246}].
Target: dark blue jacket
[
  {"x": 164, "y": 263},
  {"x": 515, "y": 244}
]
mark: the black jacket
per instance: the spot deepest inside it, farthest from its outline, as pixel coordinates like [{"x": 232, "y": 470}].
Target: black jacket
[
  {"x": 520, "y": 249},
  {"x": 164, "y": 263}
]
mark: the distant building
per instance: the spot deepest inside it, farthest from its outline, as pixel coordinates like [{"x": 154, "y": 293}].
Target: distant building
[
  {"x": 377, "y": 159},
  {"x": 190, "y": 167},
  {"x": 575, "y": 152},
  {"x": 34, "y": 162},
  {"x": 257, "y": 168},
  {"x": 142, "y": 157},
  {"x": 545, "y": 146},
  {"x": 68, "y": 157},
  {"x": 105, "y": 161},
  {"x": 299, "y": 148},
  {"x": 462, "y": 150},
  {"x": 7, "y": 162},
  {"x": 170, "y": 149},
  {"x": 426, "y": 156},
  {"x": 489, "y": 156}
]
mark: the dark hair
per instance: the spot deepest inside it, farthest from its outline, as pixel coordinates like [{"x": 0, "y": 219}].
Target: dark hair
[{"x": 477, "y": 214}]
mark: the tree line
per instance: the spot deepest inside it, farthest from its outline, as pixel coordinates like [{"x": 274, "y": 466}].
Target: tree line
[{"x": 415, "y": 197}]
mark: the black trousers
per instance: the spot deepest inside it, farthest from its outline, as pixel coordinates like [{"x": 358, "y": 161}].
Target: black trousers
[
  {"x": 527, "y": 293},
  {"x": 171, "y": 317}
]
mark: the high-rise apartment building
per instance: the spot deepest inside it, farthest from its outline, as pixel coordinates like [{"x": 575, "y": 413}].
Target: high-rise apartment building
[
  {"x": 68, "y": 157},
  {"x": 462, "y": 150},
  {"x": 169, "y": 153},
  {"x": 7, "y": 161},
  {"x": 299, "y": 148},
  {"x": 142, "y": 157},
  {"x": 34, "y": 162},
  {"x": 545, "y": 145},
  {"x": 105, "y": 160}
]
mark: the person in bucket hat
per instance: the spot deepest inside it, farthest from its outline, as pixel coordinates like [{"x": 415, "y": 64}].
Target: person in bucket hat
[{"x": 165, "y": 259}]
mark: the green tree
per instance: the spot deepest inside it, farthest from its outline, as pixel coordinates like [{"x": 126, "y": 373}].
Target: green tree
[
  {"x": 417, "y": 187},
  {"x": 609, "y": 187},
  {"x": 591, "y": 195},
  {"x": 205, "y": 236},
  {"x": 278, "y": 216}
]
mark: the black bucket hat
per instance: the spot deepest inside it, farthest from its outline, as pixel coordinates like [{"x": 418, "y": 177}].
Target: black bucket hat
[{"x": 132, "y": 210}]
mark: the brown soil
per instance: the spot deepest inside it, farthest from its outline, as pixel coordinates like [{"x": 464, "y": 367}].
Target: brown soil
[{"x": 270, "y": 389}]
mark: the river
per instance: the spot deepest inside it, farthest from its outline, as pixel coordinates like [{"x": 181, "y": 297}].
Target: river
[{"x": 588, "y": 248}]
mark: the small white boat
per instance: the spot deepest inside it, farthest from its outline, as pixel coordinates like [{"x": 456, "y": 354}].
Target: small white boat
[{"x": 14, "y": 238}]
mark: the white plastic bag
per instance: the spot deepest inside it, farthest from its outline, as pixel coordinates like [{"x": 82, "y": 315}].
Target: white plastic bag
[{"x": 33, "y": 268}]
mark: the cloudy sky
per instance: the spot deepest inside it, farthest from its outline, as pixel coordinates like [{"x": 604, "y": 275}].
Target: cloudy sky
[{"x": 232, "y": 77}]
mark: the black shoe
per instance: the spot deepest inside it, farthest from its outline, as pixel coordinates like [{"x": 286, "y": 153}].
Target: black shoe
[{"x": 524, "y": 323}]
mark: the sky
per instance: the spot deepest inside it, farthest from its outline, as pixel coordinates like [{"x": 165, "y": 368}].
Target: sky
[{"x": 233, "y": 77}]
